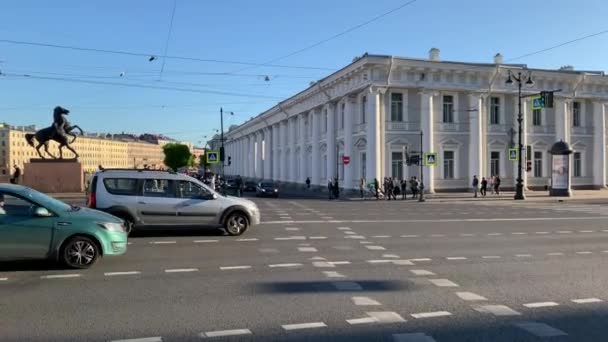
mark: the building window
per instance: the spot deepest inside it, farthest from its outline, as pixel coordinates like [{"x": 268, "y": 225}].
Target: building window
[
  {"x": 536, "y": 117},
  {"x": 538, "y": 164},
  {"x": 363, "y": 165},
  {"x": 448, "y": 164},
  {"x": 578, "y": 165},
  {"x": 363, "y": 105},
  {"x": 342, "y": 110},
  {"x": 397, "y": 165},
  {"x": 494, "y": 163},
  {"x": 495, "y": 111},
  {"x": 576, "y": 114},
  {"x": 397, "y": 107},
  {"x": 448, "y": 109}
]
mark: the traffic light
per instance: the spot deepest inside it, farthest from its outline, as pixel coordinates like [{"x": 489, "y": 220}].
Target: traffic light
[
  {"x": 528, "y": 166},
  {"x": 222, "y": 153},
  {"x": 547, "y": 98},
  {"x": 229, "y": 160},
  {"x": 413, "y": 160}
]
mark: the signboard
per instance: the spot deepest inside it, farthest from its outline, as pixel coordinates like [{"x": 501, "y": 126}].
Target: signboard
[
  {"x": 213, "y": 157},
  {"x": 513, "y": 154},
  {"x": 430, "y": 159},
  {"x": 538, "y": 102},
  {"x": 345, "y": 160},
  {"x": 560, "y": 170}
]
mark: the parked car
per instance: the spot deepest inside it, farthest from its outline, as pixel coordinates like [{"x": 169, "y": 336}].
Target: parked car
[
  {"x": 249, "y": 186},
  {"x": 36, "y": 226},
  {"x": 267, "y": 188},
  {"x": 146, "y": 199}
]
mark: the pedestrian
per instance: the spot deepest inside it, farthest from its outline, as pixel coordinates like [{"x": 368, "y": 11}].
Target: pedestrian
[
  {"x": 497, "y": 185},
  {"x": 475, "y": 185},
  {"x": 492, "y": 184},
  {"x": 212, "y": 182},
  {"x": 308, "y": 182},
  {"x": 362, "y": 187},
  {"x": 396, "y": 189},
  {"x": 239, "y": 186},
  {"x": 414, "y": 186},
  {"x": 100, "y": 168},
  {"x": 330, "y": 189},
  {"x": 377, "y": 188},
  {"x": 336, "y": 189},
  {"x": 388, "y": 188},
  {"x": 16, "y": 175},
  {"x": 403, "y": 189},
  {"x": 484, "y": 186}
]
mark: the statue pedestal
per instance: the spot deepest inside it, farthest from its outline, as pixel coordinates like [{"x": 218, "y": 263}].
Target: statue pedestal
[{"x": 54, "y": 175}]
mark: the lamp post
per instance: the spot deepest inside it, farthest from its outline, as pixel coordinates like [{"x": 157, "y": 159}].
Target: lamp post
[
  {"x": 519, "y": 187},
  {"x": 222, "y": 141},
  {"x": 421, "y": 162}
]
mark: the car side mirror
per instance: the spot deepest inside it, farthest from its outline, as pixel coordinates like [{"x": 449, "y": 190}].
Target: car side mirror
[
  {"x": 42, "y": 212},
  {"x": 214, "y": 196}
]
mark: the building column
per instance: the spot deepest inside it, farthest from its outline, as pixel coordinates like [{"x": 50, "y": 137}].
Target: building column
[
  {"x": 284, "y": 163},
  {"x": 267, "y": 170},
  {"x": 292, "y": 154},
  {"x": 275, "y": 152},
  {"x": 374, "y": 135},
  {"x": 349, "y": 115},
  {"x": 599, "y": 145},
  {"x": 331, "y": 142},
  {"x": 427, "y": 127},
  {"x": 246, "y": 156},
  {"x": 316, "y": 118},
  {"x": 302, "y": 133},
  {"x": 562, "y": 122},
  {"x": 475, "y": 137},
  {"x": 240, "y": 160},
  {"x": 259, "y": 165}
]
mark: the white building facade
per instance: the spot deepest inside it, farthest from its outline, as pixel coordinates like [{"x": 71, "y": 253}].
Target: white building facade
[{"x": 374, "y": 109}]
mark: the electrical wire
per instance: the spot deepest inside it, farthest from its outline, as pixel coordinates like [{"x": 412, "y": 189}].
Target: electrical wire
[{"x": 162, "y": 68}]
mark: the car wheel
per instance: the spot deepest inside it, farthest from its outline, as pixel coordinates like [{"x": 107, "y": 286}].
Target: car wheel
[
  {"x": 236, "y": 224},
  {"x": 80, "y": 252}
]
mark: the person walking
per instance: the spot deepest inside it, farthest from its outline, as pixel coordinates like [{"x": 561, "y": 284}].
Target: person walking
[
  {"x": 388, "y": 188},
  {"x": 308, "y": 182},
  {"x": 497, "y": 185},
  {"x": 492, "y": 184},
  {"x": 484, "y": 186},
  {"x": 336, "y": 189},
  {"x": 475, "y": 185},
  {"x": 16, "y": 175},
  {"x": 396, "y": 189},
  {"x": 330, "y": 188},
  {"x": 362, "y": 187},
  {"x": 239, "y": 186},
  {"x": 377, "y": 188},
  {"x": 403, "y": 189},
  {"x": 414, "y": 187}
]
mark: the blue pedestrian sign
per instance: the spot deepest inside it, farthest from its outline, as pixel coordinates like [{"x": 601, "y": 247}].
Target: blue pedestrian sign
[
  {"x": 430, "y": 159},
  {"x": 212, "y": 157},
  {"x": 513, "y": 154},
  {"x": 538, "y": 102}
]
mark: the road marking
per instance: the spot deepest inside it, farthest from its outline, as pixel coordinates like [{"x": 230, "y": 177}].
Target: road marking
[
  {"x": 303, "y": 244},
  {"x": 541, "y": 232},
  {"x": 412, "y": 337},
  {"x": 519, "y": 233},
  {"x": 365, "y": 242},
  {"x": 144, "y": 339},
  {"x": 285, "y": 265},
  {"x": 249, "y": 239},
  {"x": 403, "y": 262},
  {"x": 540, "y": 305},
  {"x": 443, "y": 283},
  {"x": 291, "y": 229},
  {"x": 307, "y": 249},
  {"x": 390, "y": 256},
  {"x": 226, "y": 268},
  {"x": 523, "y": 255},
  {"x": 289, "y": 327},
  {"x": 339, "y": 262},
  {"x": 327, "y": 217},
  {"x": 364, "y": 301},
  {"x": 322, "y": 264},
  {"x": 110, "y": 274},
  {"x": 422, "y": 272},
  {"x": 481, "y": 220},
  {"x": 129, "y": 243},
  {"x": 386, "y": 316},
  {"x": 540, "y": 329},
  {"x": 466, "y": 234},
  {"x": 497, "y": 310},
  {"x": 555, "y": 253},
  {"x": 604, "y": 251},
  {"x": 420, "y": 259},
  {"x": 343, "y": 228},
  {"x": 318, "y": 237},
  {"x": 432, "y": 314},
  {"x": 268, "y": 250},
  {"x": 587, "y": 300},
  {"x": 333, "y": 274},
  {"x": 564, "y": 232},
  {"x": 586, "y": 231},
  {"x": 179, "y": 270},
  {"x": 584, "y": 252},
  {"x": 494, "y": 234},
  {"x": 162, "y": 242},
  {"x": 221, "y": 333},
  {"x": 290, "y": 238},
  {"x": 410, "y": 236},
  {"x": 61, "y": 276},
  {"x": 380, "y": 261},
  {"x": 437, "y": 235},
  {"x": 364, "y": 320},
  {"x": 470, "y": 296},
  {"x": 205, "y": 241},
  {"x": 350, "y": 233},
  {"x": 491, "y": 257},
  {"x": 381, "y": 236},
  {"x": 3, "y": 279},
  {"x": 456, "y": 258},
  {"x": 357, "y": 237},
  {"x": 375, "y": 248},
  {"x": 317, "y": 258}
]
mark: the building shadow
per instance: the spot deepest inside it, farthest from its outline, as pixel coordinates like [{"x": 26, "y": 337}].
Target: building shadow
[{"x": 356, "y": 286}]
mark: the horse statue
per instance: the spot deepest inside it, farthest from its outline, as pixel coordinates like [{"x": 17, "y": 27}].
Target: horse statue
[{"x": 58, "y": 132}]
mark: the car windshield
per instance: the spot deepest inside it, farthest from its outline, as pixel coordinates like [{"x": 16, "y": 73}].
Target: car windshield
[
  {"x": 47, "y": 201},
  {"x": 267, "y": 185}
]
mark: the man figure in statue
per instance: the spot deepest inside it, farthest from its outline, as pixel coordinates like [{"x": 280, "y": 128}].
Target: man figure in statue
[{"x": 59, "y": 121}]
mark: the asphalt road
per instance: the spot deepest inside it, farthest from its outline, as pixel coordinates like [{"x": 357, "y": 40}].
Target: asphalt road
[{"x": 335, "y": 271}]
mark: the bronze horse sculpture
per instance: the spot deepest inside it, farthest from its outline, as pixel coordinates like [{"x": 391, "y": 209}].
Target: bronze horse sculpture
[{"x": 58, "y": 132}]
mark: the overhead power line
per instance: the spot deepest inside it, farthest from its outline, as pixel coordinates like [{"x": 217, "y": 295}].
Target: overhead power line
[
  {"x": 559, "y": 45},
  {"x": 162, "y": 68}
]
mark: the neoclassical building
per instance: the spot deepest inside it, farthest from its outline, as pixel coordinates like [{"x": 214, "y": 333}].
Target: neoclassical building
[{"x": 374, "y": 109}]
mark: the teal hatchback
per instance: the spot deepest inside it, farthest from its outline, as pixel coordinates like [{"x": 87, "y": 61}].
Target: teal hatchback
[{"x": 36, "y": 226}]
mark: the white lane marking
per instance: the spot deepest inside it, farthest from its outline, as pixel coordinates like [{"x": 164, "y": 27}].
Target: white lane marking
[
  {"x": 365, "y": 242},
  {"x": 481, "y": 220},
  {"x": 541, "y": 233},
  {"x": 586, "y": 231},
  {"x": 129, "y": 243},
  {"x": 268, "y": 250},
  {"x": 221, "y": 333},
  {"x": 327, "y": 217},
  {"x": 403, "y": 262},
  {"x": 470, "y": 296},
  {"x": 347, "y": 286},
  {"x": 412, "y": 337},
  {"x": 248, "y": 239},
  {"x": 364, "y": 320},
  {"x": 3, "y": 279},
  {"x": 290, "y": 238},
  {"x": 205, "y": 241},
  {"x": 497, "y": 310},
  {"x": 437, "y": 235},
  {"x": 380, "y": 261},
  {"x": 226, "y": 268},
  {"x": 317, "y": 258},
  {"x": 375, "y": 248},
  {"x": 409, "y": 236},
  {"x": 350, "y": 233},
  {"x": 456, "y": 258},
  {"x": 110, "y": 274},
  {"x": 584, "y": 252},
  {"x": 523, "y": 255},
  {"x": 422, "y": 272},
  {"x": 519, "y": 233},
  {"x": 494, "y": 234},
  {"x": 307, "y": 249},
  {"x": 357, "y": 237},
  {"x": 162, "y": 242},
  {"x": 292, "y": 229},
  {"x": 60, "y": 276},
  {"x": 587, "y": 300},
  {"x": 339, "y": 262},
  {"x": 432, "y": 314},
  {"x": 604, "y": 251},
  {"x": 555, "y": 253},
  {"x": 540, "y": 329},
  {"x": 144, "y": 339},
  {"x": 443, "y": 283},
  {"x": 304, "y": 326},
  {"x": 322, "y": 264},
  {"x": 343, "y": 228},
  {"x": 303, "y": 244},
  {"x": 381, "y": 236},
  {"x": 386, "y": 316},
  {"x": 179, "y": 270},
  {"x": 364, "y": 301},
  {"x": 491, "y": 257},
  {"x": 333, "y": 274},
  {"x": 421, "y": 259},
  {"x": 318, "y": 237},
  {"x": 285, "y": 265},
  {"x": 540, "y": 304},
  {"x": 467, "y": 234},
  {"x": 564, "y": 232},
  {"x": 395, "y": 256}
]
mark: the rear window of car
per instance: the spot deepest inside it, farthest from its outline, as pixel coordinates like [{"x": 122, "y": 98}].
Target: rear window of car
[{"x": 121, "y": 186}]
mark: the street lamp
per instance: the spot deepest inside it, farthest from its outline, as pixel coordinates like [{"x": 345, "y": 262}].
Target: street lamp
[
  {"x": 519, "y": 187},
  {"x": 222, "y": 138}
]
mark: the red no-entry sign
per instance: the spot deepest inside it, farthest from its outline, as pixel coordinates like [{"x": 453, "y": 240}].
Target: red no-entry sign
[{"x": 345, "y": 160}]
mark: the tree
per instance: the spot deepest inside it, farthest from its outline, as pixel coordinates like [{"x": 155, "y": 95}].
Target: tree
[{"x": 176, "y": 155}]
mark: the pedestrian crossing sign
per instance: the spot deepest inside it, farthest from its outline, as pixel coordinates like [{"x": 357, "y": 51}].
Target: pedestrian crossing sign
[
  {"x": 513, "y": 154},
  {"x": 430, "y": 159},
  {"x": 212, "y": 157}
]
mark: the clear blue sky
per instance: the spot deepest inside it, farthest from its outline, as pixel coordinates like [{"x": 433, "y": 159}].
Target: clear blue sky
[{"x": 252, "y": 31}]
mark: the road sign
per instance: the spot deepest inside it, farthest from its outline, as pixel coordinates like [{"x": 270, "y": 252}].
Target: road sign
[
  {"x": 213, "y": 157},
  {"x": 345, "y": 160},
  {"x": 538, "y": 102},
  {"x": 513, "y": 154},
  {"x": 430, "y": 159}
]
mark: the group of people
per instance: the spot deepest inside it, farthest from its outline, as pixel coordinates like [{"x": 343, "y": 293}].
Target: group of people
[
  {"x": 333, "y": 187},
  {"x": 391, "y": 188},
  {"x": 481, "y": 187}
]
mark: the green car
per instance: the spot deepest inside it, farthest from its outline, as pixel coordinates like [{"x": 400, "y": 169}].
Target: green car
[{"x": 36, "y": 226}]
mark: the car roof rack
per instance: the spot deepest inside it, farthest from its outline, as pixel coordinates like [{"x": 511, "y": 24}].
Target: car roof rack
[{"x": 135, "y": 169}]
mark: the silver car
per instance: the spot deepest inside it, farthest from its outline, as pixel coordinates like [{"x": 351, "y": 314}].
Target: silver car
[{"x": 145, "y": 198}]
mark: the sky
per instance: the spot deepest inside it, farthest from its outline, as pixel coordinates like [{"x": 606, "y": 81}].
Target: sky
[{"x": 181, "y": 97}]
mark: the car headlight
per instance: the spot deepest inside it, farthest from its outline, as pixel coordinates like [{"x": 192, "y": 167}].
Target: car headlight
[
  {"x": 112, "y": 227},
  {"x": 276, "y": 190},
  {"x": 263, "y": 190}
]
